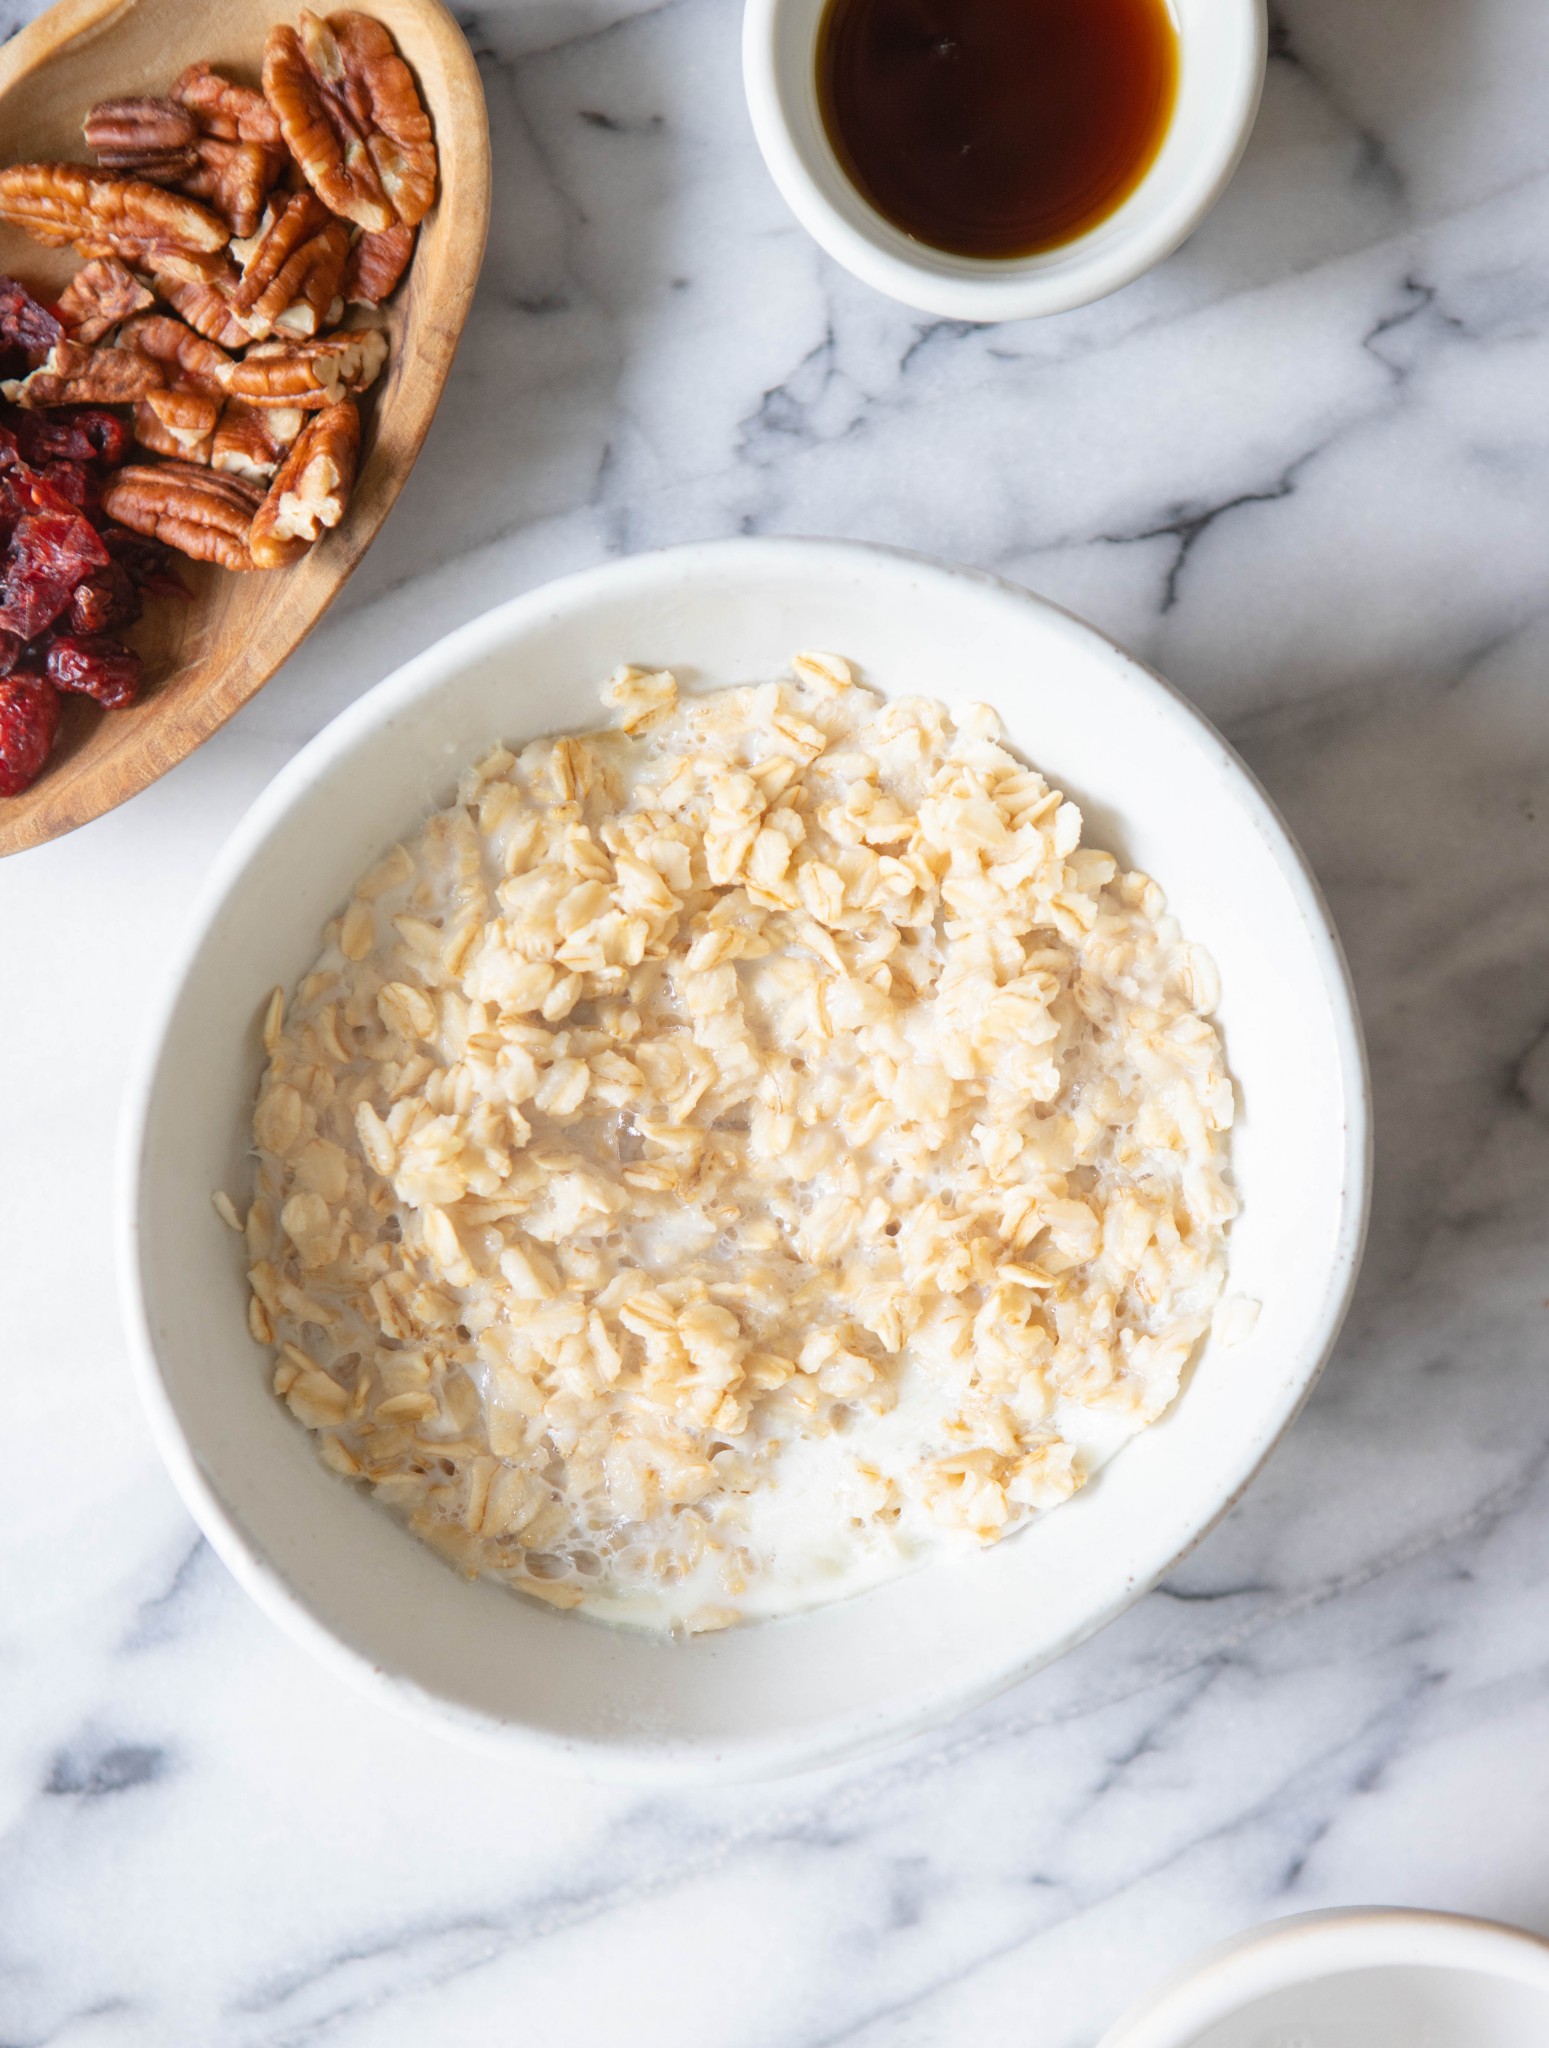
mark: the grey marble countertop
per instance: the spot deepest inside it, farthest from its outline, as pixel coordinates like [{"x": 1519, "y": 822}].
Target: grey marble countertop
[{"x": 1304, "y": 470}]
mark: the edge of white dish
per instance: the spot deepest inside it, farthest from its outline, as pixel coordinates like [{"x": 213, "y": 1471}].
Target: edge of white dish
[
  {"x": 1309, "y": 1946},
  {"x": 1224, "y": 47},
  {"x": 644, "y": 1753}
]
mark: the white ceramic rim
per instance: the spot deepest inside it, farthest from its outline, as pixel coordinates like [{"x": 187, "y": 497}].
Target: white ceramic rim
[
  {"x": 1086, "y": 269},
  {"x": 759, "y": 1756},
  {"x": 1315, "y": 1945}
]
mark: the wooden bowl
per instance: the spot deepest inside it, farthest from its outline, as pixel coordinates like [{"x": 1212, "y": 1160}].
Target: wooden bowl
[{"x": 205, "y": 658}]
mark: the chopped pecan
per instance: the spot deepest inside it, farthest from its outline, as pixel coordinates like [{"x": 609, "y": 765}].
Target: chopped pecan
[
  {"x": 75, "y": 374},
  {"x": 191, "y": 363},
  {"x": 106, "y": 214},
  {"x": 309, "y": 374},
  {"x": 311, "y": 489},
  {"x": 317, "y": 308},
  {"x": 288, "y": 223},
  {"x": 202, "y": 515},
  {"x": 376, "y": 264},
  {"x": 235, "y": 177},
  {"x": 232, "y": 113},
  {"x": 292, "y": 268},
  {"x": 207, "y": 307},
  {"x": 177, "y": 266},
  {"x": 179, "y": 423},
  {"x": 101, "y": 294},
  {"x": 154, "y": 138},
  {"x": 351, "y": 114},
  {"x": 251, "y": 440}
]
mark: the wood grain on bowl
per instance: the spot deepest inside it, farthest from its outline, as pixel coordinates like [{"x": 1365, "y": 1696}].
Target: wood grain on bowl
[{"x": 204, "y": 659}]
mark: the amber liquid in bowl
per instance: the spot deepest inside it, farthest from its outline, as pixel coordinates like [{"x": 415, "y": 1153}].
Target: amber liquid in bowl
[{"x": 996, "y": 128}]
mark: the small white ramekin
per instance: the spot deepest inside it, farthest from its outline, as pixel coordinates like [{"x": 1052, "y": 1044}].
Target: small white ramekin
[
  {"x": 1222, "y": 50},
  {"x": 1415, "y": 1978}
]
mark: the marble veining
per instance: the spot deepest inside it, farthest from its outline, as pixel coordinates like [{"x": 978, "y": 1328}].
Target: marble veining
[{"x": 1303, "y": 468}]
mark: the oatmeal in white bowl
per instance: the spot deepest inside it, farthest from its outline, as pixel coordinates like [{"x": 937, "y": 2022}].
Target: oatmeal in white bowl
[
  {"x": 719, "y": 1156},
  {"x": 774, "y": 1144}
]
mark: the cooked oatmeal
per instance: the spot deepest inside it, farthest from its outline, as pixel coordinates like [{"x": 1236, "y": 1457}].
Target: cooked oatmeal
[{"x": 721, "y": 1159}]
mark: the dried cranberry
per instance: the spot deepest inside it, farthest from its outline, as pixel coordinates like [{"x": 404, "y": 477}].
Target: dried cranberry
[
  {"x": 50, "y": 552},
  {"x": 95, "y": 667},
  {"x": 24, "y": 323},
  {"x": 24, "y": 489},
  {"x": 106, "y": 432},
  {"x": 12, "y": 647},
  {"x": 50, "y": 548},
  {"x": 149, "y": 563},
  {"x": 77, "y": 485},
  {"x": 77, "y": 433},
  {"x": 108, "y": 598},
  {"x": 29, "y": 719},
  {"x": 40, "y": 493}
]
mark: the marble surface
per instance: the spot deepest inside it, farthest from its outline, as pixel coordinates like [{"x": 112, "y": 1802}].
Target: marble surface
[{"x": 1304, "y": 469}]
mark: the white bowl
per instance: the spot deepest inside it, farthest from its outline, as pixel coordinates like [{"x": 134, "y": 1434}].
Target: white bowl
[
  {"x": 1372, "y": 1978},
  {"x": 1222, "y": 49},
  {"x": 1159, "y": 786}
]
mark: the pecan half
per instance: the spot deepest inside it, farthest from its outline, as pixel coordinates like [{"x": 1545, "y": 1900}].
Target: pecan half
[
  {"x": 251, "y": 440},
  {"x": 293, "y": 268},
  {"x": 351, "y": 115},
  {"x": 207, "y": 307},
  {"x": 75, "y": 374},
  {"x": 179, "y": 423},
  {"x": 379, "y": 82},
  {"x": 321, "y": 131},
  {"x": 233, "y": 113},
  {"x": 235, "y": 177},
  {"x": 309, "y": 374},
  {"x": 152, "y": 137},
  {"x": 99, "y": 296},
  {"x": 311, "y": 489},
  {"x": 191, "y": 363},
  {"x": 376, "y": 264},
  {"x": 202, "y": 515},
  {"x": 106, "y": 214}
]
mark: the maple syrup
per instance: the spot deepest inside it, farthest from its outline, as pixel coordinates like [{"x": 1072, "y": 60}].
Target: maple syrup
[{"x": 996, "y": 127}]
